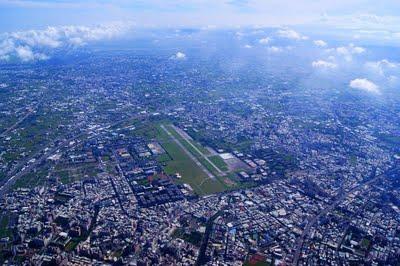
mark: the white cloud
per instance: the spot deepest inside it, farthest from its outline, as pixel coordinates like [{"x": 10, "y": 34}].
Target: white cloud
[
  {"x": 365, "y": 25},
  {"x": 291, "y": 34},
  {"x": 350, "y": 49},
  {"x": 248, "y": 46},
  {"x": 358, "y": 50},
  {"x": 274, "y": 49},
  {"x": 320, "y": 43},
  {"x": 348, "y": 14},
  {"x": 265, "y": 40},
  {"x": 31, "y": 45},
  {"x": 179, "y": 56},
  {"x": 342, "y": 50},
  {"x": 239, "y": 34},
  {"x": 6, "y": 47},
  {"x": 331, "y": 58},
  {"x": 26, "y": 54},
  {"x": 4, "y": 57},
  {"x": 323, "y": 64},
  {"x": 347, "y": 52},
  {"x": 365, "y": 85},
  {"x": 382, "y": 66}
]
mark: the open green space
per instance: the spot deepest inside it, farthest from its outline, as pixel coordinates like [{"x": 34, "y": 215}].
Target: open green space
[
  {"x": 219, "y": 162},
  {"x": 187, "y": 142},
  {"x": 2, "y": 176},
  {"x": 4, "y": 229},
  {"x": 181, "y": 163},
  {"x": 163, "y": 158},
  {"x": 71, "y": 173},
  {"x": 31, "y": 180},
  {"x": 192, "y": 237},
  {"x": 175, "y": 160},
  {"x": 191, "y": 173},
  {"x": 189, "y": 146}
]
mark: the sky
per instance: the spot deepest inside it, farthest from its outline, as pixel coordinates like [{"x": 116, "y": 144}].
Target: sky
[
  {"x": 338, "y": 36},
  {"x": 375, "y": 15}
]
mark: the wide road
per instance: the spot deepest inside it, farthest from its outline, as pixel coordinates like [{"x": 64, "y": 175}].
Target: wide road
[{"x": 325, "y": 211}]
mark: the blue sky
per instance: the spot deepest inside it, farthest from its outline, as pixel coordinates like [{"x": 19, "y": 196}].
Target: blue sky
[
  {"x": 362, "y": 14},
  {"x": 338, "y": 36},
  {"x": 29, "y": 27}
]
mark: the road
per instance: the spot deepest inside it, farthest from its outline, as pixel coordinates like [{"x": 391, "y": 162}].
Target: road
[
  {"x": 325, "y": 211},
  {"x": 5, "y": 132},
  {"x": 64, "y": 144},
  {"x": 27, "y": 168}
]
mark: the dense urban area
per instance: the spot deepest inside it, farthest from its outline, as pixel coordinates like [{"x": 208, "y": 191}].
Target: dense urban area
[{"x": 137, "y": 158}]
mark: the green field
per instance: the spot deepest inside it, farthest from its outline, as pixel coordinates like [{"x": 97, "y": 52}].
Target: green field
[
  {"x": 191, "y": 173},
  {"x": 219, "y": 162},
  {"x": 4, "y": 230},
  {"x": 71, "y": 173},
  {"x": 175, "y": 160},
  {"x": 181, "y": 163},
  {"x": 31, "y": 179},
  {"x": 199, "y": 155}
]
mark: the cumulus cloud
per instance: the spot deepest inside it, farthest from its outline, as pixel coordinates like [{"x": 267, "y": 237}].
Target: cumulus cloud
[
  {"x": 350, "y": 49},
  {"x": 320, "y": 43},
  {"x": 382, "y": 66},
  {"x": 248, "y": 46},
  {"x": 239, "y": 34},
  {"x": 179, "y": 56},
  {"x": 26, "y": 54},
  {"x": 291, "y": 34},
  {"x": 274, "y": 49},
  {"x": 323, "y": 64},
  {"x": 365, "y": 85},
  {"x": 33, "y": 44},
  {"x": 265, "y": 40}
]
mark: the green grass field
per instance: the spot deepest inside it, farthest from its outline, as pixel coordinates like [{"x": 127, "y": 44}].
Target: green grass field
[
  {"x": 30, "y": 180},
  {"x": 219, "y": 162},
  {"x": 191, "y": 173},
  {"x": 194, "y": 237},
  {"x": 4, "y": 230},
  {"x": 177, "y": 161},
  {"x": 181, "y": 163},
  {"x": 71, "y": 173},
  {"x": 199, "y": 155}
]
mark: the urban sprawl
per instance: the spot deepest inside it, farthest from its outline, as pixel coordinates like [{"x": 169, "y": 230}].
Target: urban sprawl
[{"x": 121, "y": 159}]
